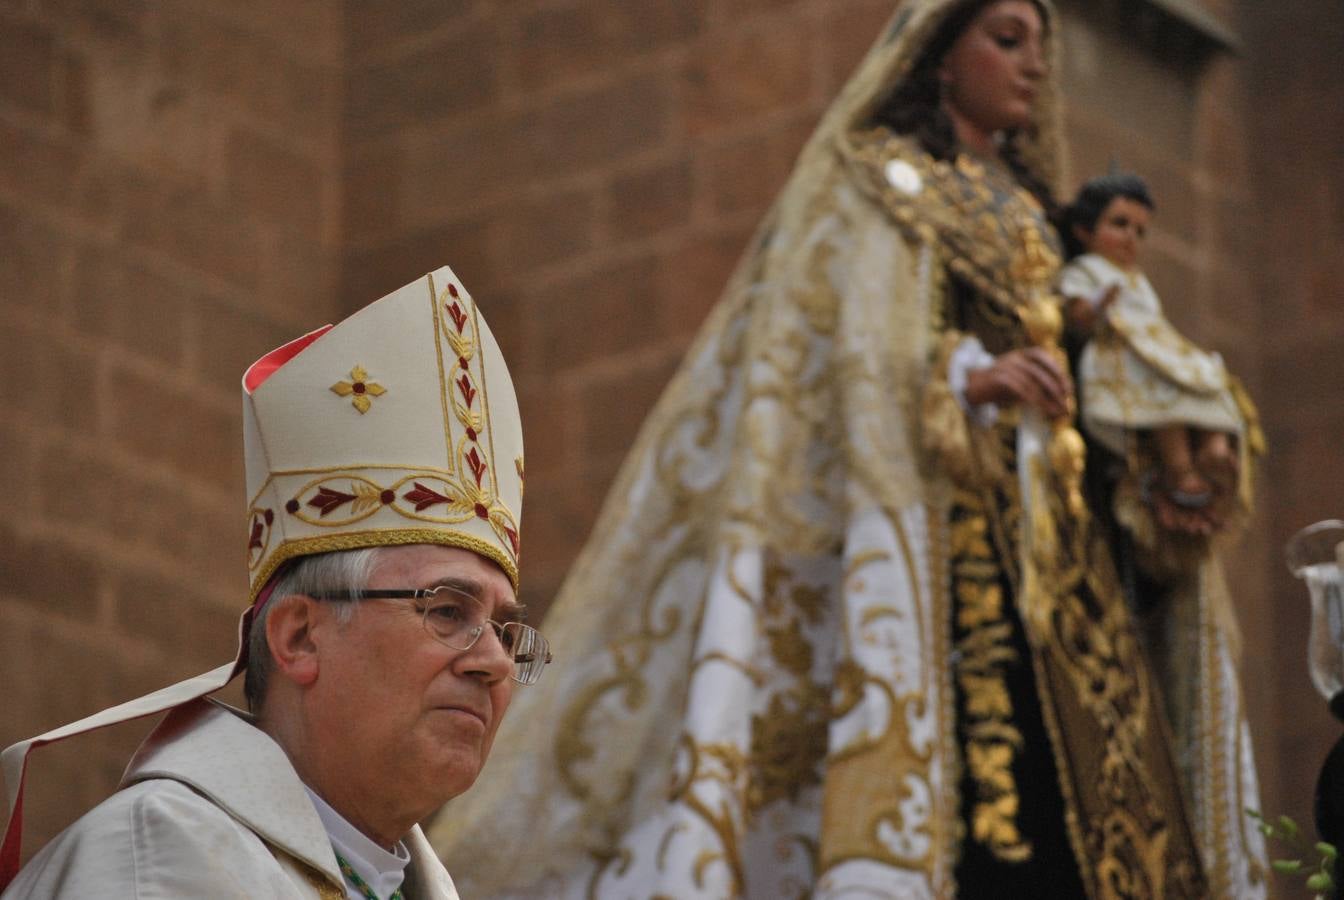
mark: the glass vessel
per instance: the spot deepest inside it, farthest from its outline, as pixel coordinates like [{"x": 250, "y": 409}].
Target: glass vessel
[{"x": 1316, "y": 555}]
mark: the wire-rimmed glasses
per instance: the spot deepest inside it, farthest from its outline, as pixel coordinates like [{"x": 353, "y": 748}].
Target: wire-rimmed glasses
[{"x": 457, "y": 619}]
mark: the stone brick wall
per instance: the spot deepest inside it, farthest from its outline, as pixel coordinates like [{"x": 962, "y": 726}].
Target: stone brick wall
[
  {"x": 591, "y": 170},
  {"x": 1295, "y": 247},
  {"x": 184, "y": 185},
  {"x": 169, "y": 209}
]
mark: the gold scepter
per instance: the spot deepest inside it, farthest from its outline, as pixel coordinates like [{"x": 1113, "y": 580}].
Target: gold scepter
[{"x": 1035, "y": 266}]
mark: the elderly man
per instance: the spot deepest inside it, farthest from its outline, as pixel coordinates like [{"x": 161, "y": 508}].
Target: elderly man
[{"x": 381, "y": 647}]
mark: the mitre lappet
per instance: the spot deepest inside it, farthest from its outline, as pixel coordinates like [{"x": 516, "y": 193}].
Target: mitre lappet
[{"x": 397, "y": 426}]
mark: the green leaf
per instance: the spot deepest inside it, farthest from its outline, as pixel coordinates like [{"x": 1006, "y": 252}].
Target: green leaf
[
  {"x": 1287, "y": 866},
  {"x": 1326, "y": 850},
  {"x": 1319, "y": 882},
  {"x": 1289, "y": 826},
  {"x": 1266, "y": 829}
]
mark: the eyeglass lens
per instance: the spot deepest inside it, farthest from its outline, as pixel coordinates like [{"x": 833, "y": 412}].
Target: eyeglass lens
[{"x": 458, "y": 620}]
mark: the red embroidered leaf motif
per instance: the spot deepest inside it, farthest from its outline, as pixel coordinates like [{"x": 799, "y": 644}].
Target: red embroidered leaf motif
[
  {"x": 423, "y": 497},
  {"x": 328, "y": 500},
  {"x": 468, "y": 392},
  {"x": 254, "y": 540},
  {"x": 513, "y": 538},
  {"x": 477, "y": 466},
  {"x": 458, "y": 316}
]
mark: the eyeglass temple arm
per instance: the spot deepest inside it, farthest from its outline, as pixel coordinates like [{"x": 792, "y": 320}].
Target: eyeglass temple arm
[{"x": 375, "y": 594}]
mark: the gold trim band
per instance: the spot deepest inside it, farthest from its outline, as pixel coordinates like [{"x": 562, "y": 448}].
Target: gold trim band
[{"x": 393, "y": 537}]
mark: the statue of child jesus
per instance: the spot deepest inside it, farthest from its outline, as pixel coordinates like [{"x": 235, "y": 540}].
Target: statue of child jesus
[{"x": 1144, "y": 388}]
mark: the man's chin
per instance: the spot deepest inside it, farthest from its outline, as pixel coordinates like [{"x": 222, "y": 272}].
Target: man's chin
[
  {"x": 453, "y": 768},
  {"x": 454, "y": 783}
]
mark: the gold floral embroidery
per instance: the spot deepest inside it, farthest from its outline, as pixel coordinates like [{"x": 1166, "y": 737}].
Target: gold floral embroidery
[
  {"x": 989, "y": 764},
  {"x": 343, "y": 499},
  {"x": 987, "y": 698},
  {"x": 359, "y": 389},
  {"x": 992, "y": 824},
  {"x": 965, "y": 209},
  {"x": 980, "y": 605},
  {"x": 722, "y": 767},
  {"x": 985, "y": 648},
  {"x": 789, "y": 738},
  {"x": 787, "y": 744},
  {"x": 475, "y": 461}
]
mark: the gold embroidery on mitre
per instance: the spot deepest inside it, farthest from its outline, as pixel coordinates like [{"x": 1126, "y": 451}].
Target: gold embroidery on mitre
[
  {"x": 344, "y": 498},
  {"x": 359, "y": 389},
  {"x": 472, "y": 460},
  {"x": 381, "y": 537}
]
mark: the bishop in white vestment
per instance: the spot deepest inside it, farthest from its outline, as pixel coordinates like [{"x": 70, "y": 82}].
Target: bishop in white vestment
[{"x": 381, "y": 645}]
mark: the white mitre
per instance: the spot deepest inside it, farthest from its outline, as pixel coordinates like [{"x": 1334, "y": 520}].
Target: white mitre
[{"x": 397, "y": 426}]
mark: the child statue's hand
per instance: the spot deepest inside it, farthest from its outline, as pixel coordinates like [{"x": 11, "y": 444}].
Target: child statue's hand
[
  {"x": 1083, "y": 313},
  {"x": 1107, "y": 298}
]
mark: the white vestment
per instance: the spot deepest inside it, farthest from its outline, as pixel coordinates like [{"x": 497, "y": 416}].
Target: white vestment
[
  {"x": 209, "y": 806},
  {"x": 1140, "y": 372}
]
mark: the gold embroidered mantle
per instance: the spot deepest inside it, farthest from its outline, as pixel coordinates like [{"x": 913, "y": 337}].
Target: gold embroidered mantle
[{"x": 1124, "y": 807}]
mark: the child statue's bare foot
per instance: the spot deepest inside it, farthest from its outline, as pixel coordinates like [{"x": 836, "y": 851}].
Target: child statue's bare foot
[
  {"x": 1189, "y": 489},
  {"x": 1183, "y": 503}
]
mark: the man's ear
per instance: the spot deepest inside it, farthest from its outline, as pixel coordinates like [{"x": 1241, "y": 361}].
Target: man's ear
[{"x": 289, "y": 633}]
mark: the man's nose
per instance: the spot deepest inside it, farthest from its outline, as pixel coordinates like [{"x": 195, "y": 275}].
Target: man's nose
[{"x": 487, "y": 658}]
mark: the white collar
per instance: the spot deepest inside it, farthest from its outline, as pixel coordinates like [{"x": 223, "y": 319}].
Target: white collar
[{"x": 383, "y": 871}]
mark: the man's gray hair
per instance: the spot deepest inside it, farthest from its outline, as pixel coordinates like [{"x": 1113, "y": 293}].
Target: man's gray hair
[{"x": 339, "y": 570}]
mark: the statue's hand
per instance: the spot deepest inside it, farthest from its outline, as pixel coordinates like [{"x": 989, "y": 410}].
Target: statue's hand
[{"x": 1032, "y": 376}]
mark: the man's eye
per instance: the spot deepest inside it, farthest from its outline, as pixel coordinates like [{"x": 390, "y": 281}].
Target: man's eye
[
  {"x": 1007, "y": 41},
  {"x": 447, "y": 612}
]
